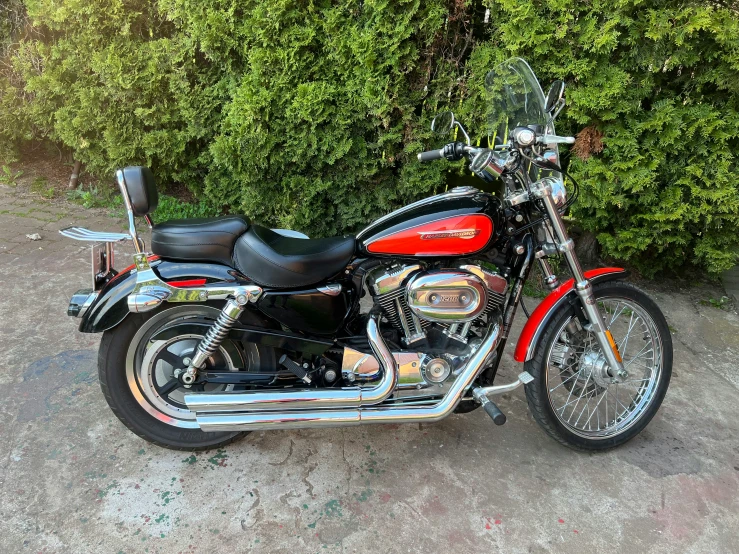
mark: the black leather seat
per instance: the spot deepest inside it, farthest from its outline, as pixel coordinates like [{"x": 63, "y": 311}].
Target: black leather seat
[
  {"x": 199, "y": 240},
  {"x": 274, "y": 260}
]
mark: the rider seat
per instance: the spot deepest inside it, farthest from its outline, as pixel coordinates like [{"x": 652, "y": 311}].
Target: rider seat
[{"x": 274, "y": 260}]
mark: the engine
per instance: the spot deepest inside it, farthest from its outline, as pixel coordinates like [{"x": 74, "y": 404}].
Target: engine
[
  {"x": 421, "y": 304},
  {"x": 434, "y": 312}
]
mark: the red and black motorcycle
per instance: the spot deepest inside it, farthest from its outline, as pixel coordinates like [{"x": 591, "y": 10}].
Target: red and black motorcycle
[{"x": 227, "y": 326}]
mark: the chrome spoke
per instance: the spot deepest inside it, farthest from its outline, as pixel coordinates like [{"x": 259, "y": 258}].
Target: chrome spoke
[
  {"x": 625, "y": 340},
  {"x": 616, "y": 315},
  {"x": 596, "y": 409},
  {"x": 584, "y": 388},
  {"x": 563, "y": 382}
]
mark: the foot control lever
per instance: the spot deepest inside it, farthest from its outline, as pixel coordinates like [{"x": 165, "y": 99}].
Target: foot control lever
[
  {"x": 493, "y": 411},
  {"x": 480, "y": 394},
  {"x": 294, "y": 368}
]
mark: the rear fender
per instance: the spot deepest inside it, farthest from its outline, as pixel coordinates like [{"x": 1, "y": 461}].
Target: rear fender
[
  {"x": 542, "y": 315},
  {"x": 111, "y": 305}
]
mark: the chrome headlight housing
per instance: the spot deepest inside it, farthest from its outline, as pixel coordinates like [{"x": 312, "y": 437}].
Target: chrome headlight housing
[{"x": 559, "y": 192}]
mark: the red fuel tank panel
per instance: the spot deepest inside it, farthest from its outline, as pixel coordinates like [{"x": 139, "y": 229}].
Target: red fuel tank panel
[{"x": 452, "y": 236}]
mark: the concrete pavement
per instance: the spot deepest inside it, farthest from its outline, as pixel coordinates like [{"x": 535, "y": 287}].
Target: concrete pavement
[{"x": 73, "y": 479}]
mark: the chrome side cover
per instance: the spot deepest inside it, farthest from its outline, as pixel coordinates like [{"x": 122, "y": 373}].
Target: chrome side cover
[
  {"x": 150, "y": 291},
  {"x": 447, "y": 296}
]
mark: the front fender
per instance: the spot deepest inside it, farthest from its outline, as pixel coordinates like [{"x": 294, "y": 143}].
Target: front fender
[
  {"x": 111, "y": 305},
  {"x": 543, "y": 313}
]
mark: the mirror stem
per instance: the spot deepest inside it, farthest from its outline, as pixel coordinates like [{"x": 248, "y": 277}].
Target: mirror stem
[{"x": 466, "y": 136}]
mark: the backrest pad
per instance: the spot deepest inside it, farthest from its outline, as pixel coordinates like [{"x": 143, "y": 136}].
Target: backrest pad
[{"x": 141, "y": 189}]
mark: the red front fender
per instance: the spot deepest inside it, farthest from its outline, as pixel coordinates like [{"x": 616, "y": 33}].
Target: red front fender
[{"x": 535, "y": 325}]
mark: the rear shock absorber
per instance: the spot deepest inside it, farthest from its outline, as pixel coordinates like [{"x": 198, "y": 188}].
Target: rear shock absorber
[{"x": 215, "y": 335}]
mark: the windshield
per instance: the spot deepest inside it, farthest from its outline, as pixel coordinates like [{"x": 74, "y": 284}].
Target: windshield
[{"x": 514, "y": 98}]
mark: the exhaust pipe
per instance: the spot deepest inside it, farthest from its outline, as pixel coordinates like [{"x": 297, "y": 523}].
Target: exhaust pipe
[
  {"x": 263, "y": 421},
  {"x": 310, "y": 399}
]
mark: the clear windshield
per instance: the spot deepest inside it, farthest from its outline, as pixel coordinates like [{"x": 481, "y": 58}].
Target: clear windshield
[{"x": 514, "y": 97}]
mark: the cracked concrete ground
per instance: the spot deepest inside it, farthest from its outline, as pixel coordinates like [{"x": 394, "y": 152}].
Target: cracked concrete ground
[{"x": 73, "y": 479}]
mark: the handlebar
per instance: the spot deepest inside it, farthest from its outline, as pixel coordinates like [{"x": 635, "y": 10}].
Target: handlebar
[
  {"x": 431, "y": 155},
  {"x": 457, "y": 150}
]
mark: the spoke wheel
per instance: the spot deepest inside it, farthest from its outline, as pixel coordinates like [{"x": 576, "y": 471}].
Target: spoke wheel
[
  {"x": 574, "y": 395},
  {"x": 581, "y": 391}
]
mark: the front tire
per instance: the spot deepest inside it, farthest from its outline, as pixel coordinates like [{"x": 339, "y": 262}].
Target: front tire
[
  {"x": 131, "y": 377},
  {"x": 572, "y": 397}
]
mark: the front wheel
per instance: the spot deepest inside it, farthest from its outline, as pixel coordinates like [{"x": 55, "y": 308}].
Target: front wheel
[{"x": 573, "y": 396}]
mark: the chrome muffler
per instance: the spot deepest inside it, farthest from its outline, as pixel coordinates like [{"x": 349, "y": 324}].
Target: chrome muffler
[
  {"x": 315, "y": 418},
  {"x": 312, "y": 399}
]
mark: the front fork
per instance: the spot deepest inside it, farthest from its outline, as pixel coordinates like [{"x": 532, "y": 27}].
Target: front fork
[{"x": 543, "y": 190}]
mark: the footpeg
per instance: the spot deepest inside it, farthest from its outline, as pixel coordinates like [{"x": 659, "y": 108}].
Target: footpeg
[
  {"x": 295, "y": 368},
  {"x": 481, "y": 395},
  {"x": 493, "y": 411}
]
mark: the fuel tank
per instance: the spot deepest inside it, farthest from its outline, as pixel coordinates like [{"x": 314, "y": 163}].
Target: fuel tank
[{"x": 459, "y": 222}]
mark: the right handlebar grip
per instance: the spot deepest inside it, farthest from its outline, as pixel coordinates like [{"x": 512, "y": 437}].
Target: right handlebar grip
[{"x": 431, "y": 155}]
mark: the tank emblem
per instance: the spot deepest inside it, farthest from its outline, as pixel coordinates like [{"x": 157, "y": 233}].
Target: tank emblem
[{"x": 457, "y": 234}]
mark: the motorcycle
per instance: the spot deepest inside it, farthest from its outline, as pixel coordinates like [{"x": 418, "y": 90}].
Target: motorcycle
[{"x": 227, "y": 327}]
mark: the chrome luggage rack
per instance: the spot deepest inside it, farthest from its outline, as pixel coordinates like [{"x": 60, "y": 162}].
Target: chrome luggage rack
[
  {"x": 102, "y": 250},
  {"x": 80, "y": 233}
]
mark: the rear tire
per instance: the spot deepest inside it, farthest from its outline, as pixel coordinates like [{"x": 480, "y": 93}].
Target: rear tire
[
  {"x": 141, "y": 415},
  {"x": 573, "y": 382}
]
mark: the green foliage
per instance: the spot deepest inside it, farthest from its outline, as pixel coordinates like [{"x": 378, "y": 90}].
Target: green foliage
[
  {"x": 723, "y": 303},
  {"x": 9, "y": 177},
  {"x": 40, "y": 185},
  {"x": 659, "y": 81},
  {"x": 14, "y": 123},
  {"x": 96, "y": 197},
  {"x": 172, "y": 208},
  {"x": 309, "y": 114},
  {"x": 323, "y": 103}
]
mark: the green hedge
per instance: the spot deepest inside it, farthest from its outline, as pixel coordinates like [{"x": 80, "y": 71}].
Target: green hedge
[{"x": 309, "y": 114}]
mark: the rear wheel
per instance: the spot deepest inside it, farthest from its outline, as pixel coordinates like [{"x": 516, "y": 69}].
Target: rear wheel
[
  {"x": 573, "y": 396},
  {"x": 138, "y": 375}
]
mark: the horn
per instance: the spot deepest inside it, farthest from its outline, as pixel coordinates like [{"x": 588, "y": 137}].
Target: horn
[{"x": 323, "y": 408}]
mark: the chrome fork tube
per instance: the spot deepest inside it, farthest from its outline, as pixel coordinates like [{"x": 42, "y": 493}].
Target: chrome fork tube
[{"x": 583, "y": 287}]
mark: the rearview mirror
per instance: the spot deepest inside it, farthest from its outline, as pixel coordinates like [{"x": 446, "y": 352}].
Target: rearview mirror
[
  {"x": 443, "y": 123},
  {"x": 554, "y": 96}
]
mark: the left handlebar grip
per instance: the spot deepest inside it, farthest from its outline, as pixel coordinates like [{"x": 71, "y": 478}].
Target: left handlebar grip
[{"x": 431, "y": 155}]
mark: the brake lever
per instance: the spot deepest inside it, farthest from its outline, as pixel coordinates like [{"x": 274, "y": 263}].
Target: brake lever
[{"x": 554, "y": 139}]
